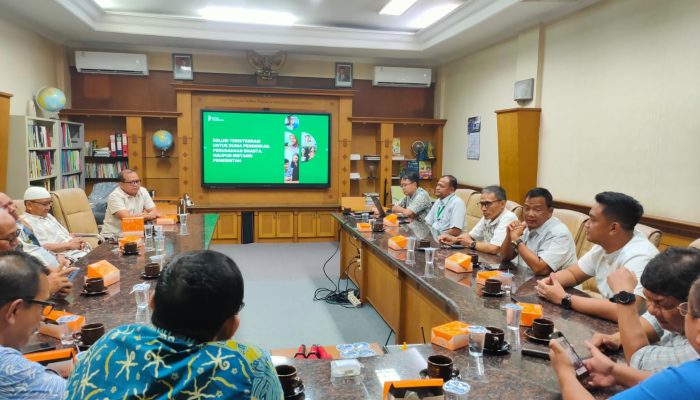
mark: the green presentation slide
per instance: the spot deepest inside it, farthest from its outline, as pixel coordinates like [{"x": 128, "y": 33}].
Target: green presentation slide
[{"x": 265, "y": 149}]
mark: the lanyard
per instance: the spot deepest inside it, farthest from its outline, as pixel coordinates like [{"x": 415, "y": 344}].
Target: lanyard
[{"x": 440, "y": 209}]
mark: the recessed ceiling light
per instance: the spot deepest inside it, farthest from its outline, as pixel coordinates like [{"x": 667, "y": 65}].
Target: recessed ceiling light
[
  {"x": 105, "y": 3},
  {"x": 248, "y": 16},
  {"x": 397, "y": 7},
  {"x": 432, "y": 15}
]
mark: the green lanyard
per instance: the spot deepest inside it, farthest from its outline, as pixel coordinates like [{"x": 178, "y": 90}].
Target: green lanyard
[{"x": 444, "y": 204}]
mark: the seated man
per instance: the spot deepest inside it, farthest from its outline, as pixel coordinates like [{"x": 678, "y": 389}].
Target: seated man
[
  {"x": 611, "y": 228},
  {"x": 666, "y": 281},
  {"x": 51, "y": 234},
  {"x": 540, "y": 242},
  {"x": 188, "y": 351},
  {"x": 488, "y": 234},
  {"x": 128, "y": 200},
  {"x": 448, "y": 212},
  {"x": 9, "y": 240},
  {"x": 672, "y": 383},
  {"x": 417, "y": 202},
  {"x": 24, "y": 294}
]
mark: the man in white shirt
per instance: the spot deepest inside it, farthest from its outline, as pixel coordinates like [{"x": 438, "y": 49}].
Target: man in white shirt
[
  {"x": 51, "y": 234},
  {"x": 617, "y": 244},
  {"x": 488, "y": 234},
  {"x": 540, "y": 242},
  {"x": 128, "y": 200},
  {"x": 447, "y": 214}
]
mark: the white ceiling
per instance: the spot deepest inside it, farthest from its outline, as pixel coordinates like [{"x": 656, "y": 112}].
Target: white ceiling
[{"x": 351, "y": 29}]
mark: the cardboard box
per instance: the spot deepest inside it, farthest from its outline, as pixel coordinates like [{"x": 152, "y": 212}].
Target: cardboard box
[
  {"x": 167, "y": 220},
  {"x": 132, "y": 226},
  {"x": 59, "y": 360},
  {"x": 391, "y": 220},
  {"x": 426, "y": 389},
  {"x": 530, "y": 312},
  {"x": 397, "y": 242},
  {"x": 482, "y": 276},
  {"x": 50, "y": 327},
  {"x": 105, "y": 270},
  {"x": 452, "y": 335},
  {"x": 459, "y": 262},
  {"x": 363, "y": 227}
]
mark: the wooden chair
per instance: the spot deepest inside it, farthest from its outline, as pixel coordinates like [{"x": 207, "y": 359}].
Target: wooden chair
[{"x": 474, "y": 213}]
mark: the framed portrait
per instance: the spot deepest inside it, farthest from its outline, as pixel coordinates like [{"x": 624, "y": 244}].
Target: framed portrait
[
  {"x": 182, "y": 67},
  {"x": 343, "y": 74}
]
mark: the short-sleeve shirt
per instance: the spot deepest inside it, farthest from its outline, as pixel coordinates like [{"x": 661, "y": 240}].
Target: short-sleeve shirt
[
  {"x": 552, "y": 243},
  {"x": 671, "y": 350},
  {"x": 493, "y": 231},
  {"x": 447, "y": 213},
  {"x": 634, "y": 256},
  {"x": 419, "y": 203},
  {"x": 48, "y": 230},
  {"x": 119, "y": 200},
  {"x": 23, "y": 379},
  {"x": 672, "y": 383}
]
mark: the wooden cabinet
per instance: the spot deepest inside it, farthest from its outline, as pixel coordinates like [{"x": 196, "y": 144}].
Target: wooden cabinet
[
  {"x": 228, "y": 226},
  {"x": 274, "y": 225},
  {"x": 4, "y": 136},
  {"x": 518, "y": 141},
  {"x": 312, "y": 224},
  {"x": 284, "y": 224}
]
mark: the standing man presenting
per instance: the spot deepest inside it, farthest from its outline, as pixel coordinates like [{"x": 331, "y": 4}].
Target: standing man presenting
[
  {"x": 128, "y": 200},
  {"x": 447, "y": 214}
]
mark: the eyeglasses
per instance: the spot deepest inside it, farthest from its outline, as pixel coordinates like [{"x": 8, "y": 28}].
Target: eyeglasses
[
  {"x": 134, "y": 182},
  {"x": 12, "y": 236},
  {"x": 683, "y": 309},
  {"x": 48, "y": 204},
  {"x": 487, "y": 204},
  {"x": 47, "y": 305}
]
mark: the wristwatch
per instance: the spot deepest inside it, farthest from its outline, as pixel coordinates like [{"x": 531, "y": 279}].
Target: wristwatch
[
  {"x": 566, "y": 301},
  {"x": 516, "y": 243},
  {"x": 623, "y": 298},
  {"x": 472, "y": 245}
]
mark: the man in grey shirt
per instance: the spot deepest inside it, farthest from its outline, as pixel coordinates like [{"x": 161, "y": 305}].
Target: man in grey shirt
[
  {"x": 541, "y": 242},
  {"x": 448, "y": 212},
  {"x": 417, "y": 202}
]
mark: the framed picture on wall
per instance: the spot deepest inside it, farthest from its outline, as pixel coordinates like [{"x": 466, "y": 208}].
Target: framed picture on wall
[
  {"x": 343, "y": 74},
  {"x": 182, "y": 67}
]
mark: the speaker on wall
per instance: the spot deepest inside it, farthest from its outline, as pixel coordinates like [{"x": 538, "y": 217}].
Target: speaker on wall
[{"x": 524, "y": 89}]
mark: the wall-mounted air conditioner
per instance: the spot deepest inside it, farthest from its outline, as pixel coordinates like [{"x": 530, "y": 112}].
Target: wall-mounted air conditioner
[
  {"x": 93, "y": 62},
  {"x": 397, "y": 76}
]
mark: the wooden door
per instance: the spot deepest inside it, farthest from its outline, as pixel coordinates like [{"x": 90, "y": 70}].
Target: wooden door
[
  {"x": 285, "y": 224},
  {"x": 227, "y": 226},
  {"x": 306, "y": 224},
  {"x": 325, "y": 224},
  {"x": 266, "y": 225}
]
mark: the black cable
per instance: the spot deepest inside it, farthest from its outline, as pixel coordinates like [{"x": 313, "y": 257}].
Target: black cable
[{"x": 334, "y": 295}]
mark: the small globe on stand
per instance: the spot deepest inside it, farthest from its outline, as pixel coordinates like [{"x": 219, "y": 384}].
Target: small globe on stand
[
  {"x": 50, "y": 100},
  {"x": 163, "y": 141}
]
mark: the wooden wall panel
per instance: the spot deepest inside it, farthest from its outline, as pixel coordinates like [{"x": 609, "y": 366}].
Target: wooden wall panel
[{"x": 4, "y": 137}]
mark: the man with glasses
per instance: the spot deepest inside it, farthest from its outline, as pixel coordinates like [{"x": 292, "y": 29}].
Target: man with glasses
[
  {"x": 448, "y": 212},
  {"x": 189, "y": 351},
  {"x": 676, "y": 382},
  {"x": 611, "y": 227},
  {"x": 128, "y": 200},
  {"x": 541, "y": 242},
  {"x": 24, "y": 293},
  {"x": 59, "y": 284},
  {"x": 51, "y": 234},
  {"x": 488, "y": 234},
  {"x": 417, "y": 202}
]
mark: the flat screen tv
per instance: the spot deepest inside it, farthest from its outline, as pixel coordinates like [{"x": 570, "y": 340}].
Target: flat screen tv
[{"x": 265, "y": 149}]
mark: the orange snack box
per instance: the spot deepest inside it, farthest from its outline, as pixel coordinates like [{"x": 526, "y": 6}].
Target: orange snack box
[
  {"x": 397, "y": 242},
  {"x": 50, "y": 327},
  {"x": 530, "y": 312},
  {"x": 132, "y": 226},
  {"x": 167, "y": 220},
  {"x": 59, "y": 360},
  {"x": 364, "y": 227},
  {"x": 423, "y": 388},
  {"x": 452, "y": 335},
  {"x": 482, "y": 276},
  {"x": 459, "y": 262},
  {"x": 103, "y": 269},
  {"x": 391, "y": 220}
]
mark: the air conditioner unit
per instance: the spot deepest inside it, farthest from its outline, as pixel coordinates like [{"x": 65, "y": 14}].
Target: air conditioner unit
[
  {"x": 93, "y": 62},
  {"x": 407, "y": 77}
]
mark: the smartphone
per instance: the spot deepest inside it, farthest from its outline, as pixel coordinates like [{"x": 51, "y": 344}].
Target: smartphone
[
  {"x": 73, "y": 274},
  {"x": 37, "y": 347},
  {"x": 581, "y": 370},
  {"x": 526, "y": 351},
  {"x": 492, "y": 267},
  {"x": 457, "y": 246}
]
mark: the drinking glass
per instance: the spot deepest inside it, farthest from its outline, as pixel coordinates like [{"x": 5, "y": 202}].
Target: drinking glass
[
  {"x": 183, "y": 219},
  {"x": 143, "y": 316},
  {"x": 142, "y": 291},
  {"x": 158, "y": 230},
  {"x": 429, "y": 255},
  {"x": 365, "y": 217},
  {"x": 513, "y": 313},
  {"x": 506, "y": 282},
  {"x": 410, "y": 257},
  {"x": 410, "y": 244},
  {"x": 66, "y": 338},
  {"x": 160, "y": 244},
  {"x": 477, "y": 336}
]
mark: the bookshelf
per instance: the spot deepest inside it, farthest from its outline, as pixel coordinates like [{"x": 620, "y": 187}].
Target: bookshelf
[{"x": 45, "y": 152}]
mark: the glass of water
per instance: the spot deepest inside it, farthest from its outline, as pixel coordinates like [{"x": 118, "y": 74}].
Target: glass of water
[
  {"x": 429, "y": 255},
  {"x": 506, "y": 282},
  {"x": 160, "y": 244},
  {"x": 64, "y": 322},
  {"x": 142, "y": 291},
  {"x": 513, "y": 314},
  {"x": 158, "y": 230},
  {"x": 477, "y": 336},
  {"x": 183, "y": 219},
  {"x": 410, "y": 244}
]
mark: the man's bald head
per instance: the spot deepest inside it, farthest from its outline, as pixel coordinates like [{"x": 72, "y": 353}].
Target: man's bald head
[{"x": 8, "y": 231}]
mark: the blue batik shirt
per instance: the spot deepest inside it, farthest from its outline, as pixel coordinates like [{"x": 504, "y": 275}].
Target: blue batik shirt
[
  {"x": 21, "y": 379},
  {"x": 142, "y": 362}
]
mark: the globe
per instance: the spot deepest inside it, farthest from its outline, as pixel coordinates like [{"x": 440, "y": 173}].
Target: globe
[
  {"x": 162, "y": 140},
  {"x": 50, "y": 99}
]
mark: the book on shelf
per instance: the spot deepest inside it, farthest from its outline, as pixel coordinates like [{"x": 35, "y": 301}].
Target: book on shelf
[
  {"x": 105, "y": 170},
  {"x": 425, "y": 169},
  {"x": 40, "y": 163},
  {"x": 70, "y": 161},
  {"x": 118, "y": 141},
  {"x": 71, "y": 181},
  {"x": 372, "y": 157},
  {"x": 355, "y": 157},
  {"x": 409, "y": 166},
  {"x": 70, "y": 135},
  {"x": 39, "y": 137},
  {"x": 396, "y": 146},
  {"x": 354, "y": 176},
  {"x": 397, "y": 157},
  {"x": 113, "y": 144},
  {"x": 125, "y": 147}
]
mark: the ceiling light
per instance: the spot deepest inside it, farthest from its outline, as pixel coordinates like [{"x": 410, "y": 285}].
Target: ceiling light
[
  {"x": 432, "y": 15},
  {"x": 105, "y": 3},
  {"x": 248, "y": 16},
  {"x": 397, "y": 7}
]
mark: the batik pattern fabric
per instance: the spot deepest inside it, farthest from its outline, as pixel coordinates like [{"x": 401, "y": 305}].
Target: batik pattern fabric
[{"x": 142, "y": 362}]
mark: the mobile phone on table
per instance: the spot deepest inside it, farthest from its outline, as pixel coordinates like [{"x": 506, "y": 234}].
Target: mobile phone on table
[
  {"x": 528, "y": 351},
  {"x": 579, "y": 367},
  {"x": 37, "y": 347}
]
